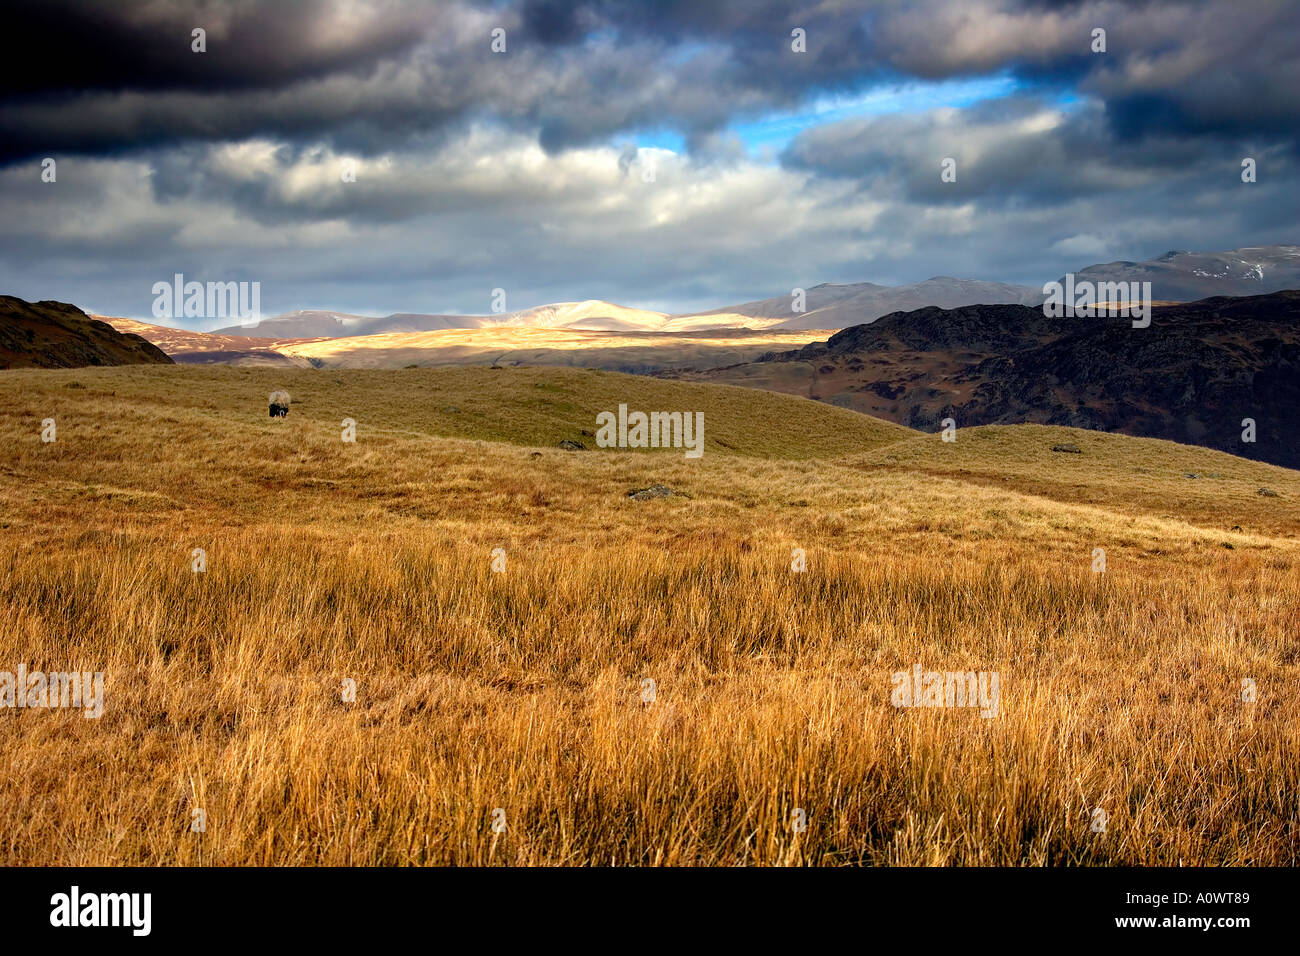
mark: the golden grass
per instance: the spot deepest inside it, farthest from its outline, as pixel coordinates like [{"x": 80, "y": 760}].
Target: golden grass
[
  {"x": 227, "y": 407},
  {"x": 508, "y": 345},
  {"x": 522, "y": 690},
  {"x": 1164, "y": 477}
]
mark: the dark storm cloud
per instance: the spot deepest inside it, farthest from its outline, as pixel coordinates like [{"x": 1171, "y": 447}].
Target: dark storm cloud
[
  {"x": 136, "y": 46},
  {"x": 369, "y": 73},
  {"x": 555, "y": 22}
]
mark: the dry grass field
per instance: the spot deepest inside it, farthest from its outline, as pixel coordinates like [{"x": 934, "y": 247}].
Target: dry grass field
[{"x": 523, "y": 690}]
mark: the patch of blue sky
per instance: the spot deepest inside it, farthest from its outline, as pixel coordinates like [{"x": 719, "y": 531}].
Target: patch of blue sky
[
  {"x": 769, "y": 134},
  {"x": 775, "y": 131},
  {"x": 660, "y": 139}
]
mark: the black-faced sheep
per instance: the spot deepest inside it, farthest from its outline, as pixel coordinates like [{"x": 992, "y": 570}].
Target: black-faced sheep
[{"x": 279, "y": 403}]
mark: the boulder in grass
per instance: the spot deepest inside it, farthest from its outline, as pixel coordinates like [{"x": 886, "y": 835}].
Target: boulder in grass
[
  {"x": 1268, "y": 492},
  {"x": 570, "y": 445},
  {"x": 1069, "y": 447},
  {"x": 279, "y": 400},
  {"x": 654, "y": 491}
]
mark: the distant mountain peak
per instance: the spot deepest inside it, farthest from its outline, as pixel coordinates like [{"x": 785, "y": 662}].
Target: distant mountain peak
[{"x": 1181, "y": 276}]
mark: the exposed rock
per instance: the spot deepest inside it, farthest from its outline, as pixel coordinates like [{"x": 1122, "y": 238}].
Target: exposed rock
[
  {"x": 1190, "y": 474},
  {"x": 569, "y": 445},
  {"x": 654, "y": 491},
  {"x": 58, "y": 335},
  {"x": 1268, "y": 492},
  {"x": 883, "y": 389},
  {"x": 1069, "y": 447}
]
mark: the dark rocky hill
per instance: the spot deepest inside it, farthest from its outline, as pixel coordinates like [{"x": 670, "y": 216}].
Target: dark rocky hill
[
  {"x": 1192, "y": 376},
  {"x": 58, "y": 335}
]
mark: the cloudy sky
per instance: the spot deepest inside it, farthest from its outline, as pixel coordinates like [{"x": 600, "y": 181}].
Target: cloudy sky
[{"x": 675, "y": 155}]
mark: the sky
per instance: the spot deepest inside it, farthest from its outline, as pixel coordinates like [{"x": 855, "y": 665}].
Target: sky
[{"x": 677, "y": 155}]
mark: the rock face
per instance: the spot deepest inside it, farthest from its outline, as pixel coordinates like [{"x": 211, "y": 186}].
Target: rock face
[
  {"x": 1193, "y": 376},
  {"x": 654, "y": 491},
  {"x": 58, "y": 335}
]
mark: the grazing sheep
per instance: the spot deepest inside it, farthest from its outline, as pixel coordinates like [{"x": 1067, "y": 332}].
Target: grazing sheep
[{"x": 279, "y": 403}]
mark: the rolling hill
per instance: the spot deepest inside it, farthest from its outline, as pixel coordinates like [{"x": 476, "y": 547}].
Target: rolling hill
[
  {"x": 1075, "y": 465},
  {"x": 199, "y": 348},
  {"x": 590, "y": 314},
  {"x": 523, "y": 406},
  {"x": 319, "y": 323}
]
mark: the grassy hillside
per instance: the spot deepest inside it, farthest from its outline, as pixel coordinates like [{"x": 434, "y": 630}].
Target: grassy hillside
[
  {"x": 1157, "y": 476},
  {"x": 522, "y": 406},
  {"x": 522, "y": 690}
]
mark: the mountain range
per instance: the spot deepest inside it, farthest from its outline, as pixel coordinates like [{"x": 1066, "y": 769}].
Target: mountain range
[
  {"x": 1187, "y": 276},
  {"x": 1175, "y": 277},
  {"x": 837, "y": 306}
]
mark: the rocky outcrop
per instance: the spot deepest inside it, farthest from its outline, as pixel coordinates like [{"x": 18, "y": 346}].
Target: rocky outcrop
[
  {"x": 58, "y": 335},
  {"x": 1194, "y": 375}
]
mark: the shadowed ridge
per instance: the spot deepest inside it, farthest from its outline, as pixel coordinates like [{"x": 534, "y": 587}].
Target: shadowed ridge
[{"x": 51, "y": 334}]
